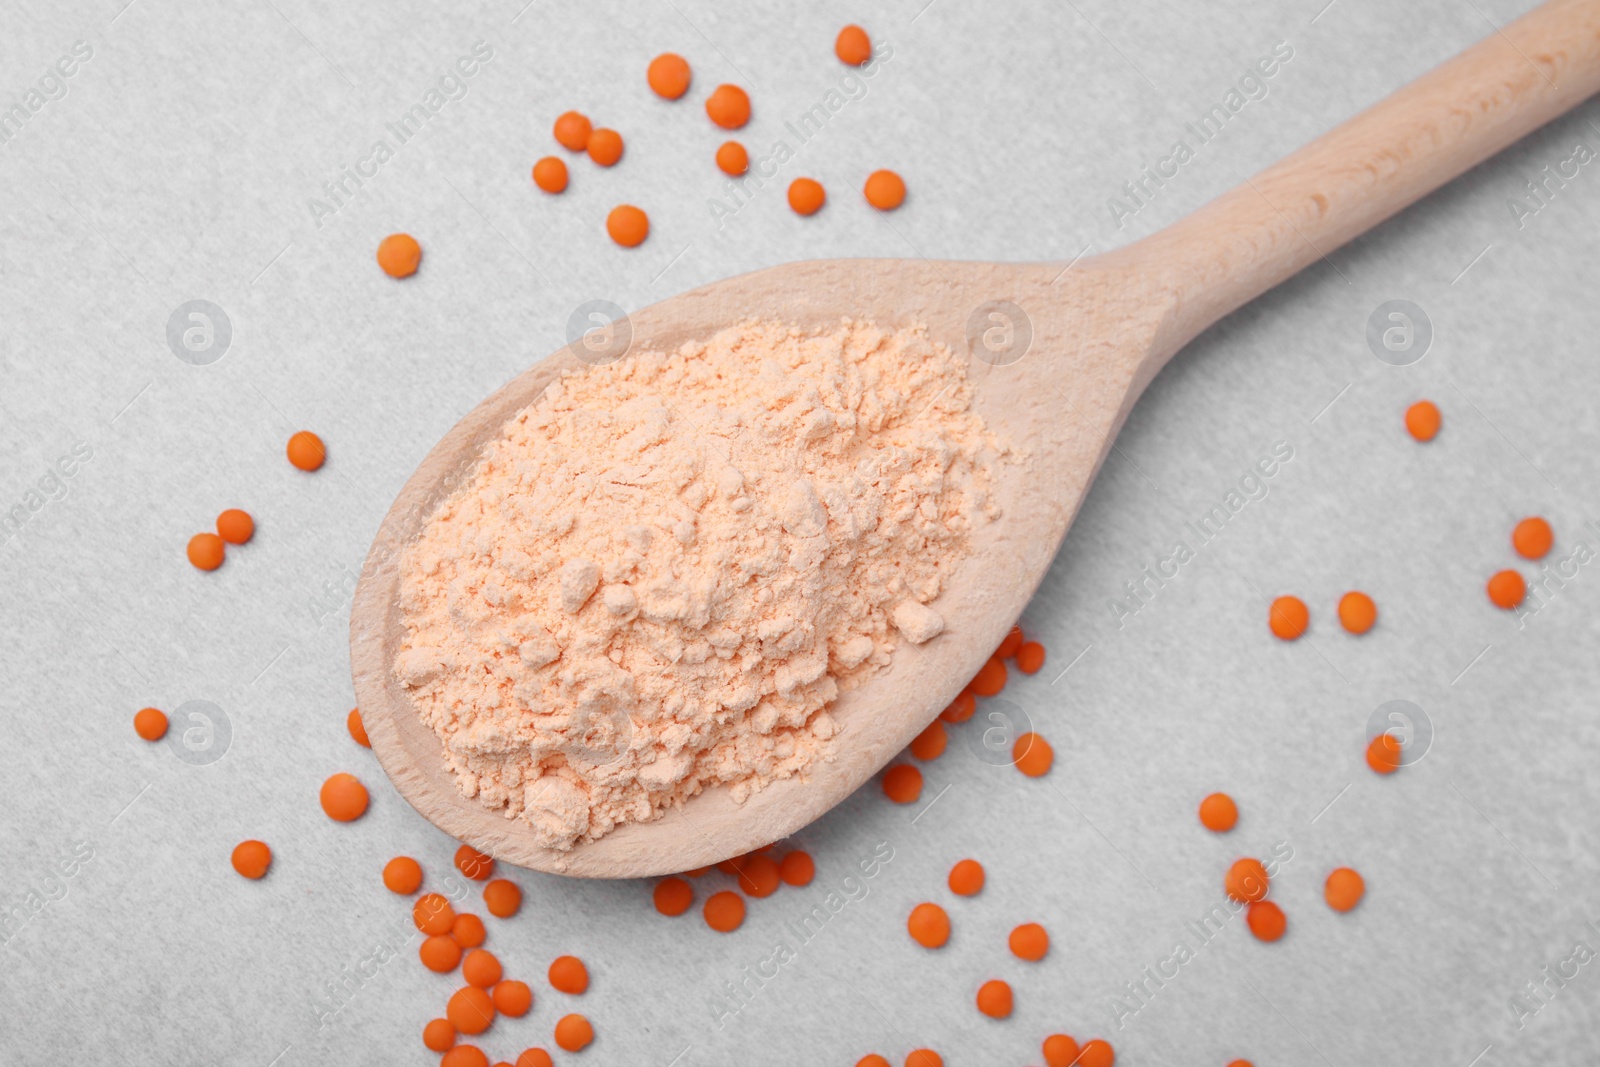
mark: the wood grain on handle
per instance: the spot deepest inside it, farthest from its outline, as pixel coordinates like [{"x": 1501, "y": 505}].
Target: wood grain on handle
[{"x": 1384, "y": 159}]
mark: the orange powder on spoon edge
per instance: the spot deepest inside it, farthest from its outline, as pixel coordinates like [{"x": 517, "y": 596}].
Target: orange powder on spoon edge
[{"x": 659, "y": 578}]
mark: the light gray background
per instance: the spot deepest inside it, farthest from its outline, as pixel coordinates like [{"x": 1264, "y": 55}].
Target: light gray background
[{"x": 179, "y": 165}]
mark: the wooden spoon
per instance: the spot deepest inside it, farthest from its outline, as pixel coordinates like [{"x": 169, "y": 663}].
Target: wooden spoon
[{"x": 1060, "y": 353}]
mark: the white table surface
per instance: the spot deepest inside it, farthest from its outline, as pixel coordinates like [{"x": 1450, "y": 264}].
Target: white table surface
[{"x": 178, "y": 165}]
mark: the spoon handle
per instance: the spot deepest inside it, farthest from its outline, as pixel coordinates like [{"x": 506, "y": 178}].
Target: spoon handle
[{"x": 1299, "y": 210}]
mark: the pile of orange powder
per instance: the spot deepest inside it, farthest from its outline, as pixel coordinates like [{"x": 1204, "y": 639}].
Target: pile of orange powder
[{"x": 665, "y": 571}]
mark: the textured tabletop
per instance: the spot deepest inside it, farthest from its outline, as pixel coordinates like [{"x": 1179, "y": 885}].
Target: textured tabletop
[{"x": 228, "y": 153}]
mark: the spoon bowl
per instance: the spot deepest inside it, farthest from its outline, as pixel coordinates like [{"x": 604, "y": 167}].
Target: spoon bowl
[
  {"x": 1060, "y": 395},
  {"x": 1057, "y": 355}
]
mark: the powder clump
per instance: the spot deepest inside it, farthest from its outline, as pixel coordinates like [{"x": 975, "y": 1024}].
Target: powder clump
[{"x": 663, "y": 572}]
